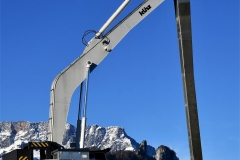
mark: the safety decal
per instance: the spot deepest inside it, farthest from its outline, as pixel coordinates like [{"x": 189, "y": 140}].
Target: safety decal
[
  {"x": 39, "y": 144},
  {"x": 23, "y": 158}
]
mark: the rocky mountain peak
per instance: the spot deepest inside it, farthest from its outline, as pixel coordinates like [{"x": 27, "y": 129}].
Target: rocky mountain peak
[
  {"x": 14, "y": 134},
  {"x": 165, "y": 153},
  {"x": 142, "y": 149}
]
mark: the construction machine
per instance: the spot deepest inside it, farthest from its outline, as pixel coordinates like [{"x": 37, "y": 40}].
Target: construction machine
[{"x": 76, "y": 74}]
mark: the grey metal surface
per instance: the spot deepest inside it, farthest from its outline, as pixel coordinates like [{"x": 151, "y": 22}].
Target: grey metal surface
[
  {"x": 183, "y": 19},
  {"x": 71, "y": 155},
  {"x": 70, "y": 78}
]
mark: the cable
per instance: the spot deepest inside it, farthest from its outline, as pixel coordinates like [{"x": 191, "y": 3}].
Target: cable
[
  {"x": 105, "y": 42},
  {"x": 86, "y": 33}
]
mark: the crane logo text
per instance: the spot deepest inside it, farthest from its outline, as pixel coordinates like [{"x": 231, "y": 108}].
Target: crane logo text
[{"x": 144, "y": 10}]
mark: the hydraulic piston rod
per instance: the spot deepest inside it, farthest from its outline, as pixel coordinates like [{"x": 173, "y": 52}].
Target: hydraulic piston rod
[
  {"x": 78, "y": 130},
  {"x": 113, "y": 17},
  {"x": 84, "y": 119}
]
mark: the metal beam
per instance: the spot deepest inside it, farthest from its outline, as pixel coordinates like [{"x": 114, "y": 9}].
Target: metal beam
[{"x": 183, "y": 20}]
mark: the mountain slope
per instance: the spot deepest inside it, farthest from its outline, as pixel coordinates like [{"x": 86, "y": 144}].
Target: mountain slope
[{"x": 14, "y": 134}]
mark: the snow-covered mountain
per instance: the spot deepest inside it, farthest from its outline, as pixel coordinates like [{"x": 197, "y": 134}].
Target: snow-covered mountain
[{"x": 14, "y": 134}]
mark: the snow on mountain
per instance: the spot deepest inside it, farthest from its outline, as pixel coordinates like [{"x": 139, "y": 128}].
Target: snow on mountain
[{"x": 14, "y": 135}]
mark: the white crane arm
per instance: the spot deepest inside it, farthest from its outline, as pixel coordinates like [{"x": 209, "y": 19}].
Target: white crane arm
[{"x": 70, "y": 78}]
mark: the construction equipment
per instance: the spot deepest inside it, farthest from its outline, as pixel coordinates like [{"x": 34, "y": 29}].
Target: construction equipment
[
  {"x": 96, "y": 50},
  {"x": 26, "y": 153},
  {"x": 70, "y": 78},
  {"x": 52, "y": 150}
]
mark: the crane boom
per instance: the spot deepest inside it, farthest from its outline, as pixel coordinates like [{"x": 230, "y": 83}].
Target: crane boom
[{"x": 71, "y": 77}]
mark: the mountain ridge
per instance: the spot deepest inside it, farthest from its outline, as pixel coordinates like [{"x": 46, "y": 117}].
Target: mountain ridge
[{"x": 14, "y": 135}]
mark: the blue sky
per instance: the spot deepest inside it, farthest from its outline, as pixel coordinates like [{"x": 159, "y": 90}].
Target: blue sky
[{"x": 138, "y": 86}]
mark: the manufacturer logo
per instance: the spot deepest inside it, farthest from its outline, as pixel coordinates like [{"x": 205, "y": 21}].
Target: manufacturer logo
[{"x": 144, "y": 10}]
